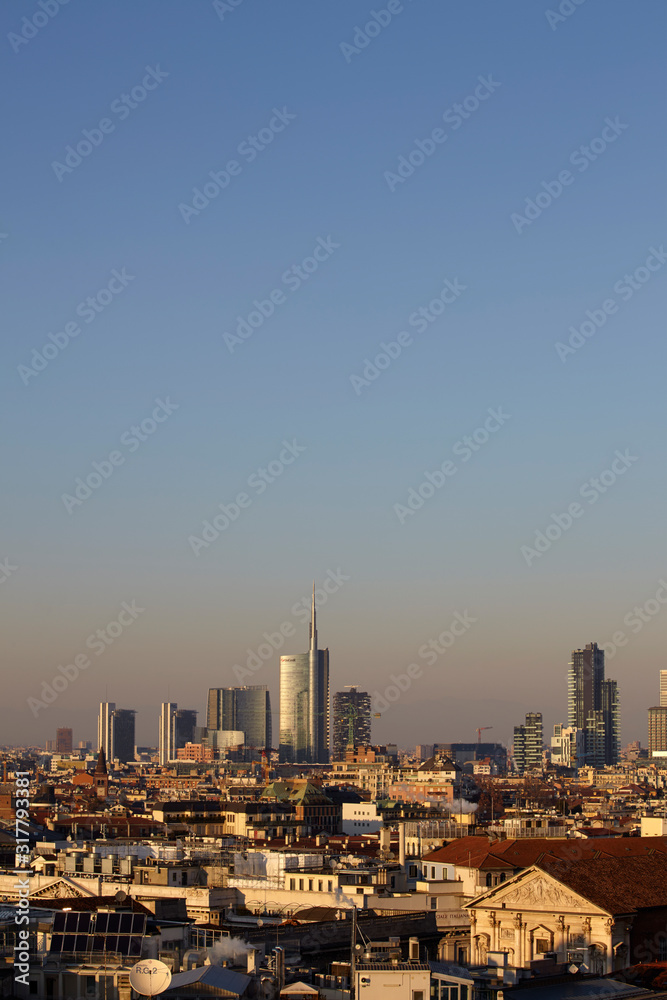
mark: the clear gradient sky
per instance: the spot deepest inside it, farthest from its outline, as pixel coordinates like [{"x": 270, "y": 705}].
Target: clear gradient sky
[{"x": 330, "y": 173}]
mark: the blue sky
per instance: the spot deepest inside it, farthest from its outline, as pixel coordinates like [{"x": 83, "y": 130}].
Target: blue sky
[{"x": 323, "y": 177}]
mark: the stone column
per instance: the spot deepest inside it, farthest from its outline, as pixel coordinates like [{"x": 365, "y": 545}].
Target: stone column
[{"x": 518, "y": 941}]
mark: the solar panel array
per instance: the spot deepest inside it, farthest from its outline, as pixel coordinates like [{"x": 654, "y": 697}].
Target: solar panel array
[{"x": 101, "y": 932}]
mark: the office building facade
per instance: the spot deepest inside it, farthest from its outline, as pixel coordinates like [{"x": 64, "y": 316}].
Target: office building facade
[
  {"x": 242, "y": 709},
  {"x": 107, "y": 708},
  {"x": 304, "y": 703},
  {"x": 567, "y": 746},
  {"x": 64, "y": 740},
  {"x": 593, "y": 705},
  {"x": 528, "y": 743},
  {"x": 123, "y": 741},
  {"x": 351, "y": 721},
  {"x": 657, "y": 729},
  {"x": 176, "y": 728},
  {"x": 663, "y": 688}
]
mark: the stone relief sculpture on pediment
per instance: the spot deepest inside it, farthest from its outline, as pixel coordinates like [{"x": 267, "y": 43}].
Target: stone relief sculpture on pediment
[{"x": 541, "y": 892}]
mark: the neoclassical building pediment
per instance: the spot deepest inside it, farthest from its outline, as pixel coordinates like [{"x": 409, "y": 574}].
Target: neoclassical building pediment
[
  {"x": 534, "y": 889},
  {"x": 60, "y": 889}
]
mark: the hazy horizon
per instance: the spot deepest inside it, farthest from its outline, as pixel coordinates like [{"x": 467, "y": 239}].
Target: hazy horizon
[{"x": 469, "y": 198}]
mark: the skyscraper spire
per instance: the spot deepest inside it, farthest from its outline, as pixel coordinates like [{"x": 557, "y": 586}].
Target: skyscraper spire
[{"x": 313, "y": 622}]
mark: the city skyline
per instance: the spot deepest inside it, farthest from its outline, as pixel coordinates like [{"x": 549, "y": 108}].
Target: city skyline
[{"x": 426, "y": 370}]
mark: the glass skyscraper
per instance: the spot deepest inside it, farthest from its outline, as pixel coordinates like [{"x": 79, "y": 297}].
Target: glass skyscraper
[
  {"x": 304, "y": 703},
  {"x": 242, "y": 709},
  {"x": 593, "y": 705}
]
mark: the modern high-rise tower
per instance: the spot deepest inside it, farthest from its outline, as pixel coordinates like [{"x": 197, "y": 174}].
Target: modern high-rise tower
[
  {"x": 243, "y": 709},
  {"x": 176, "y": 728},
  {"x": 107, "y": 708},
  {"x": 593, "y": 705},
  {"x": 351, "y": 721},
  {"x": 304, "y": 702},
  {"x": 122, "y": 734},
  {"x": 663, "y": 688},
  {"x": 528, "y": 743}
]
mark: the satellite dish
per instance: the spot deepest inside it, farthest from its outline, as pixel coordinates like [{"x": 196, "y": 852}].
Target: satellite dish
[
  {"x": 333, "y": 864},
  {"x": 260, "y": 922},
  {"x": 150, "y": 977},
  {"x": 121, "y": 897}
]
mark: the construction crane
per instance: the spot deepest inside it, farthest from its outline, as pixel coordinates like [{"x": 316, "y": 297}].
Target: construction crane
[{"x": 480, "y": 730}]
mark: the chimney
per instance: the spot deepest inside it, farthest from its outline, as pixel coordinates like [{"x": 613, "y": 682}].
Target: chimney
[
  {"x": 414, "y": 949},
  {"x": 401, "y": 844},
  {"x": 280, "y": 967},
  {"x": 251, "y": 960},
  {"x": 385, "y": 839}
]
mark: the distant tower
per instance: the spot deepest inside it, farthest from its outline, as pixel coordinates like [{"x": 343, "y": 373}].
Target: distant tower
[
  {"x": 304, "y": 702},
  {"x": 593, "y": 705},
  {"x": 63, "y": 741},
  {"x": 528, "y": 743},
  {"x": 104, "y": 727},
  {"x": 663, "y": 688},
  {"x": 351, "y": 717},
  {"x": 166, "y": 751},
  {"x": 657, "y": 729},
  {"x": 241, "y": 709},
  {"x": 122, "y": 735},
  {"x": 101, "y": 776}
]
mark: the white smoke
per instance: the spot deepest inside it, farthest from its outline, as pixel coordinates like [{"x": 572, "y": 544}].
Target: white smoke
[
  {"x": 230, "y": 949},
  {"x": 461, "y": 806}
]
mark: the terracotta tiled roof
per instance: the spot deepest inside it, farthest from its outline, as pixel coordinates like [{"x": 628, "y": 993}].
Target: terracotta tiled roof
[
  {"x": 617, "y": 885},
  {"x": 478, "y": 853}
]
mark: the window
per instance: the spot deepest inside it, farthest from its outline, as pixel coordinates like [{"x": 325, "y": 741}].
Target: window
[
  {"x": 329, "y": 884},
  {"x": 320, "y": 883},
  {"x": 434, "y": 902},
  {"x": 292, "y": 883},
  {"x": 310, "y": 885},
  {"x": 300, "y": 883},
  {"x": 541, "y": 946},
  {"x": 32, "y": 986},
  {"x": 417, "y": 995}
]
